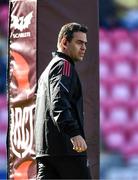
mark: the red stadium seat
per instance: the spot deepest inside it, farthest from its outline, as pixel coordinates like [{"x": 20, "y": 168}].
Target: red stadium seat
[
  {"x": 102, "y": 116},
  {"x": 105, "y": 45},
  {"x": 134, "y": 36},
  {"x": 115, "y": 141},
  {"x": 129, "y": 150},
  {"x": 122, "y": 41},
  {"x": 134, "y": 59},
  {"x": 135, "y": 110},
  {"x": 123, "y": 67},
  {"x": 125, "y": 47},
  {"x": 105, "y": 69},
  {"x": 113, "y": 135},
  {"x": 121, "y": 89},
  {"x": 104, "y": 88},
  {"x": 134, "y": 83},
  {"x": 103, "y": 33},
  {"x": 119, "y": 34},
  {"x": 103, "y": 92}
]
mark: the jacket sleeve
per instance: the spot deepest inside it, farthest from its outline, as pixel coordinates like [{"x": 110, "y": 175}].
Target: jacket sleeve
[
  {"x": 40, "y": 114},
  {"x": 61, "y": 82}
]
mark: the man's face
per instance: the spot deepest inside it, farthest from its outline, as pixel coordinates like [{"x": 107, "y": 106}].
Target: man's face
[{"x": 77, "y": 47}]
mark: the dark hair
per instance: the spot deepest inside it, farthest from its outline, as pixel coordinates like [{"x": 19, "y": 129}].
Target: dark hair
[{"x": 68, "y": 29}]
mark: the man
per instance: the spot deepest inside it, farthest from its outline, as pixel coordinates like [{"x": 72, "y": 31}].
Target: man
[{"x": 59, "y": 135}]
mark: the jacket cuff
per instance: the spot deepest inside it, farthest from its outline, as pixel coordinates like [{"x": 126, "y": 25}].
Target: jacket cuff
[{"x": 74, "y": 133}]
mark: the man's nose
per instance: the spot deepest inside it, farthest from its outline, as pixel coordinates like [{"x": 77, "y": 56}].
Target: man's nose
[{"x": 84, "y": 46}]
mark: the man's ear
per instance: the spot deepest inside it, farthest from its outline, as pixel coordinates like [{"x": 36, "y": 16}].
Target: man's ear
[{"x": 64, "y": 42}]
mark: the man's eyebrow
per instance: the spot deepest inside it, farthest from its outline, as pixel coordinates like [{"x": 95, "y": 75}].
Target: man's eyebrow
[{"x": 82, "y": 41}]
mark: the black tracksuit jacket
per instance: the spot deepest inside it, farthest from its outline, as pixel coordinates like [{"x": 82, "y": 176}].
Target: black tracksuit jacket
[{"x": 59, "y": 108}]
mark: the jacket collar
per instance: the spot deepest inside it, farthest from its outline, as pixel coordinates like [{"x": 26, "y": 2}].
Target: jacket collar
[{"x": 62, "y": 55}]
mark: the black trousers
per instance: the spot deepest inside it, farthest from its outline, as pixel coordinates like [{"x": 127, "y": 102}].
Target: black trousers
[{"x": 66, "y": 167}]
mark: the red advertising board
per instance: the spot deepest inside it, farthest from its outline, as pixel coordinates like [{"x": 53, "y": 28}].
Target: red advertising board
[{"x": 21, "y": 89}]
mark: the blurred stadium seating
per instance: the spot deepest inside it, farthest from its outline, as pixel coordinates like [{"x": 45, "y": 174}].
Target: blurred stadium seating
[{"x": 119, "y": 102}]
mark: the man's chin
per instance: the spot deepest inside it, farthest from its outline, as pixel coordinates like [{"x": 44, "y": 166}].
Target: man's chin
[{"x": 79, "y": 59}]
